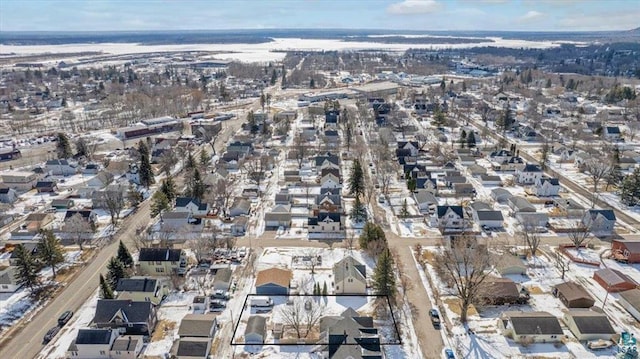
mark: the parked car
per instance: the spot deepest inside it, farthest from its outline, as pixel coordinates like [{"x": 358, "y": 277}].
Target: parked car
[
  {"x": 261, "y": 301},
  {"x": 217, "y": 305},
  {"x": 50, "y": 334},
  {"x": 435, "y": 318},
  {"x": 220, "y": 294},
  {"x": 65, "y": 317},
  {"x": 448, "y": 354}
]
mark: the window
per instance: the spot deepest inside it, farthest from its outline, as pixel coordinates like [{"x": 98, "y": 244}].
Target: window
[
  {"x": 4, "y": 286},
  {"x": 159, "y": 270},
  {"x": 118, "y": 352},
  {"x": 102, "y": 352}
]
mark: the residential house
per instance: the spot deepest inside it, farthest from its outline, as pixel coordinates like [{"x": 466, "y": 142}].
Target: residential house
[
  {"x": 21, "y": 181},
  {"x": 327, "y": 161},
  {"x": 280, "y": 216},
  {"x": 567, "y": 155},
  {"x": 62, "y": 204},
  {"x": 161, "y": 261},
  {"x": 191, "y": 205},
  {"x": 325, "y": 225},
  {"x": 630, "y": 300},
  {"x": 240, "y": 207},
  {"x": 520, "y": 204},
  {"x": 331, "y": 119},
  {"x": 99, "y": 199},
  {"x": 510, "y": 265},
  {"x": 283, "y": 198},
  {"x": 142, "y": 289},
  {"x": 273, "y": 281},
  {"x": 501, "y": 195},
  {"x": 37, "y": 221},
  {"x": 133, "y": 173},
  {"x": 450, "y": 180},
  {"x": 485, "y": 216},
  {"x": 626, "y": 163},
  {"x": 600, "y": 221},
  {"x": 449, "y": 219},
  {"x": 533, "y": 220},
  {"x": 175, "y": 221},
  {"x": 612, "y": 133},
  {"x": 328, "y": 202},
  {"x": 500, "y": 156},
  {"x": 256, "y": 330},
  {"x": 626, "y": 250},
  {"x": 412, "y": 146},
  {"x": 476, "y": 170},
  {"x": 529, "y": 174},
  {"x": 60, "y": 167},
  {"x": 329, "y": 178},
  {"x": 546, "y": 187},
  {"x": 198, "y": 325},
  {"x": 331, "y": 137},
  {"x": 531, "y": 327},
  {"x": 134, "y": 318},
  {"x": 239, "y": 226},
  {"x": 569, "y": 207},
  {"x": 613, "y": 280},
  {"x": 349, "y": 335},
  {"x": 8, "y": 282},
  {"x": 191, "y": 348},
  {"x": 101, "y": 180},
  {"x": 573, "y": 295},
  {"x": 426, "y": 201},
  {"x": 350, "y": 276},
  {"x": 589, "y": 325},
  {"x": 499, "y": 291},
  {"x": 46, "y": 186},
  {"x": 490, "y": 180},
  {"x": 127, "y": 347},
  {"x": 8, "y": 195},
  {"x": 222, "y": 279},
  {"x": 91, "y": 169},
  {"x": 92, "y": 344}
]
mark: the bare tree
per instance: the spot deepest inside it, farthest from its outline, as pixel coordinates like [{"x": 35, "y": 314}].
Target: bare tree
[
  {"x": 314, "y": 259},
  {"x": 464, "y": 266},
  {"x": 205, "y": 244},
  {"x": 578, "y": 234},
  {"x": 78, "y": 228},
  {"x": 349, "y": 240},
  {"x": 561, "y": 263},
  {"x": 530, "y": 236},
  {"x": 598, "y": 170},
  {"x": 301, "y": 319},
  {"x": 300, "y": 149},
  {"x": 256, "y": 169},
  {"x": 167, "y": 161},
  {"x": 114, "y": 200},
  {"x": 222, "y": 193}
]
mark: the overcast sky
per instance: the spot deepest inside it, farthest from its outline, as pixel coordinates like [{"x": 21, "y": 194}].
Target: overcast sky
[{"x": 104, "y": 15}]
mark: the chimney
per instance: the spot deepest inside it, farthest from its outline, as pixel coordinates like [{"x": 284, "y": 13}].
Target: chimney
[{"x": 344, "y": 340}]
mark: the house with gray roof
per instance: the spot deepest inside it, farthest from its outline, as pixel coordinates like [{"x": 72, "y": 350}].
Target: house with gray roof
[
  {"x": 240, "y": 207},
  {"x": 350, "y": 276},
  {"x": 256, "y": 330},
  {"x": 425, "y": 200},
  {"x": 531, "y": 327},
  {"x": 546, "y": 187},
  {"x": 589, "y": 325},
  {"x": 192, "y": 348},
  {"x": 600, "y": 221},
  {"x": 501, "y": 195},
  {"x": 630, "y": 300},
  {"x": 529, "y": 174},
  {"x": 142, "y": 289},
  {"x": 8, "y": 282},
  {"x": 92, "y": 343},
  {"x": 485, "y": 216},
  {"x": 490, "y": 180},
  {"x": 520, "y": 204},
  {"x": 198, "y": 325},
  {"x": 350, "y": 335},
  {"x": 127, "y": 347},
  {"x": 279, "y": 216},
  {"x": 133, "y": 317}
]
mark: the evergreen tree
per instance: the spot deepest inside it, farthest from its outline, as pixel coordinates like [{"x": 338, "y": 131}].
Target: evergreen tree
[
  {"x": 124, "y": 256},
  {"x": 372, "y": 238},
  {"x": 404, "y": 211},
  {"x": 26, "y": 272},
  {"x": 146, "y": 173},
  {"x": 63, "y": 146},
  {"x": 464, "y": 86},
  {"x": 471, "y": 139},
  {"x": 384, "y": 281},
  {"x": 548, "y": 84},
  {"x": 274, "y": 77},
  {"x": 439, "y": 118},
  {"x": 105, "y": 289},
  {"x": 630, "y": 188},
  {"x": 116, "y": 271},
  {"x": 463, "y": 138},
  {"x": 312, "y": 83},
  {"x": 159, "y": 203},
  {"x": 505, "y": 121},
  {"x": 191, "y": 162},
  {"x": 316, "y": 289},
  {"x": 134, "y": 196},
  {"x": 412, "y": 183},
  {"x": 204, "y": 158},
  {"x": 359, "y": 211},
  {"x": 195, "y": 187},
  {"x": 325, "y": 291},
  {"x": 50, "y": 250},
  {"x": 168, "y": 187},
  {"x": 356, "y": 181}
]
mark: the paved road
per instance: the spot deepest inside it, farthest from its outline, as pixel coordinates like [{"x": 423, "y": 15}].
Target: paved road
[{"x": 28, "y": 342}]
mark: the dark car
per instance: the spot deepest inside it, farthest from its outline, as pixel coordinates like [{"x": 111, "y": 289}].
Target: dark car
[
  {"x": 217, "y": 305},
  {"x": 50, "y": 334},
  {"x": 64, "y": 318}
]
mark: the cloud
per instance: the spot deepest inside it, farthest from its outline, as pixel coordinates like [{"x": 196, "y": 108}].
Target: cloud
[
  {"x": 531, "y": 15},
  {"x": 414, "y": 7},
  {"x": 617, "y": 20}
]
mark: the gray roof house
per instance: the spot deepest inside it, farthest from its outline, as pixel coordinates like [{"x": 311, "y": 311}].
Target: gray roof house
[
  {"x": 240, "y": 207},
  {"x": 350, "y": 276},
  {"x": 425, "y": 200},
  {"x": 192, "y": 348},
  {"x": 256, "y": 330},
  {"x": 520, "y": 204},
  {"x": 536, "y": 327},
  {"x": 89, "y": 342},
  {"x": 127, "y": 347},
  {"x": 501, "y": 195},
  {"x": 350, "y": 336},
  {"x": 600, "y": 221},
  {"x": 485, "y": 215},
  {"x": 198, "y": 325},
  {"x": 589, "y": 325},
  {"x": 134, "y": 317}
]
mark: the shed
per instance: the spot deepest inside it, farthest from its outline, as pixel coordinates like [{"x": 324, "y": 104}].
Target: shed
[
  {"x": 573, "y": 295},
  {"x": 630, "y": 300},
  {"x": 510, "y": 264},
  {"x": 501, "y": 195},
  {"x": 273, "y": 281},
  {"x": 198, "y": 325},
  {"x": 499, "y": 291},
  {"x": 222, "y": 279},
  {"x": 613, "y": 280},
  {"x": 256, "y": 330},
  {"x": 589, "y": 325}
]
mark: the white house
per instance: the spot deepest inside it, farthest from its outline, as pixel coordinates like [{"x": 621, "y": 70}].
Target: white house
[
  {"x": 60, "y": 167},
  {"x": 92, "y": 344},
  {"x": 529, "y": 174},
  {"x": 531, "y": 327},
  {"x": 329, "y": 180},
  {"x": 448, "y": 219},
  {"x": 350, "y": 276},
  {"x": 485, "y": 216},
  {"x": 612, "y": 133},
  {"x": 191, "y": 205},
  {"x": 589, "y": 325},
  {"x": 425, "y": 201},
  {"x": 546, "y": 187},
  {"x": 8, "y": 195},
  {"x": 600, "y": 221},
  {"x": 8, "y": 283},
  {"x": 412, "y": 146}
]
